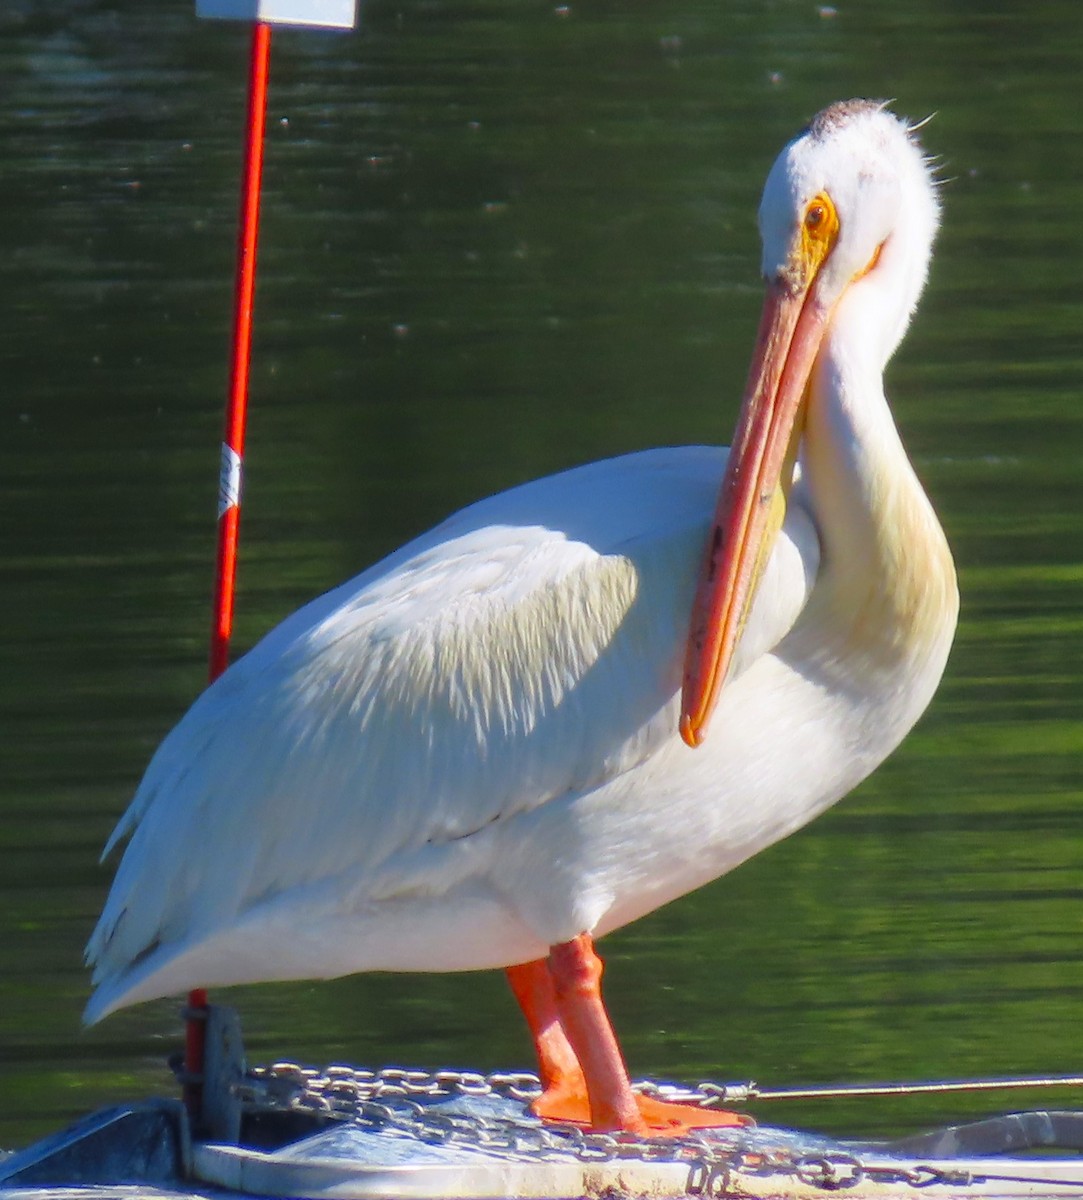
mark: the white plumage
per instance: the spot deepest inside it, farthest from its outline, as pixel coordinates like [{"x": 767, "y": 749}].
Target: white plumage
[
  {"x": 404, "y": 775},
  {"x": 470, "y": 753}
]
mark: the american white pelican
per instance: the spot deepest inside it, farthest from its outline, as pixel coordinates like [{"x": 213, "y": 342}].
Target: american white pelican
[{"x": 469, "y": 756}]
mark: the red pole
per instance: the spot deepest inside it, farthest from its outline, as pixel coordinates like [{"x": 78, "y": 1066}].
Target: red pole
[
  {"x": 229, "y": 498},
  {"x": 229, "y": 485}
]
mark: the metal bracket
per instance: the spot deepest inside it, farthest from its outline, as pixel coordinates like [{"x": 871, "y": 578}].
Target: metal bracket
[{"x": 224, "y": 1072}]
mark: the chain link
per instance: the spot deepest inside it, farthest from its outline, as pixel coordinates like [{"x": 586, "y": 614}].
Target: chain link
[{"x": 832, "y": 1172}]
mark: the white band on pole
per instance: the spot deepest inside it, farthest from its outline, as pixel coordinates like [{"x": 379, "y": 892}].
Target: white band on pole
[
  {"x": 229, "y": 479},
  {"x": 325, "y": 14}
]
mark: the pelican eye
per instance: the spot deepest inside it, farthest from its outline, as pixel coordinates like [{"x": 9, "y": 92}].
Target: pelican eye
[{"x": 819, "y": 232}]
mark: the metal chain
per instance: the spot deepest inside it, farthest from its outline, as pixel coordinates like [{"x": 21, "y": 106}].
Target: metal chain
[
  {"x": 391, "y": 1100},
  {"x": 397, "y": 1102},
  {"x": 837, "y": 1171},
  {"x": 523, "y": 1086},
  {"x": 400, "y": 1103}
]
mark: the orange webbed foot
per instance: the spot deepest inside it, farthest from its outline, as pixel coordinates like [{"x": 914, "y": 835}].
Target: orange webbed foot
[
  {"x": 667, "y": 1118},
  {"x": 566, "y": 1102}
]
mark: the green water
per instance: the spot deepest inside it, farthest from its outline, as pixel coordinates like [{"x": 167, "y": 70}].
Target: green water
[{"x": 502, "y": 238}]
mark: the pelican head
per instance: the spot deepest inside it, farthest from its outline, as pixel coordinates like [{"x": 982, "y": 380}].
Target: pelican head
[
  {"x": 848, "y": 217},
  {"x": 849, "y": 196}
]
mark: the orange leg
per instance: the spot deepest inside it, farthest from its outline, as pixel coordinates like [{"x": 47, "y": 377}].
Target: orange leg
[
  {"x": 577, "y": 982},
  {"x": 582, "y": 1069},
  {"x": 564, "y": 1090}
]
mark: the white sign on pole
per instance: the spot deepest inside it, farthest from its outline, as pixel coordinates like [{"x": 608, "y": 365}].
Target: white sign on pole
[{"x": 325, "y": 14}]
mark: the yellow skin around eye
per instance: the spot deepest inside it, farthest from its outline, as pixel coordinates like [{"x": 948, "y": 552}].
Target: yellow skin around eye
[{"x": 819, "y": 232}]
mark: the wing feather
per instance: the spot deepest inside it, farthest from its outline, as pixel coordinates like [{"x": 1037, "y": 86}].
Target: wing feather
[{"x": 521, "y": 651}]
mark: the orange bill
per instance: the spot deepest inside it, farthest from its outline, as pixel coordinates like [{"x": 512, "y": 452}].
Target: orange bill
[{"x": 751, "y": 503}]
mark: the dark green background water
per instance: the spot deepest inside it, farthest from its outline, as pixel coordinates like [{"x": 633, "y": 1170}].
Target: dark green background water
[{"x": 501, "y": 238}]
